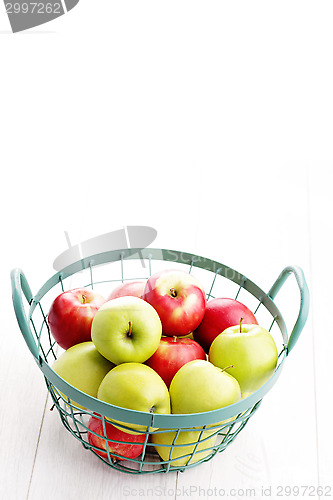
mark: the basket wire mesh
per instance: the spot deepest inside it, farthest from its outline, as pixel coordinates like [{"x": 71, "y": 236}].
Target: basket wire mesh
[{"x": 214, "y": 430}]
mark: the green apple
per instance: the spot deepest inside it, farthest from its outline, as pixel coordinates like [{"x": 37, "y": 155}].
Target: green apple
[
  {"x": 137, "y": 387},
  {"x": 126, "y": 329},
  {"x": 246, "y": 394},
  {"x": 83, "y": 367},
  {"x": 178, "y": 448},
  {"x": 199, "y": 386},
  {"x": 252, "y": 352}
]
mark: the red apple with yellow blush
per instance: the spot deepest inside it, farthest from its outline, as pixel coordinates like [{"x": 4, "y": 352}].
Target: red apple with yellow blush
[
  {"x": 221, "y": 313},
  {"x": 102, "y": 435},
  {"x": 71, "y": 314},
  {"x": 172, "y": 354},
  {"x": 179, "y": 299},
  {"x": 132, "y": 288}
]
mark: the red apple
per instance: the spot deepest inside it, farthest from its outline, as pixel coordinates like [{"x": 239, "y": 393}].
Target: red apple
[
  {"x": 179, "y": 299},
  {"x": 220, "y": 314},
  {"x": 171, "y": 354},
  {"x": 134, "y": 288},
  {"x": 130, "y": 447},
  {"x": 71, "y": 314}
]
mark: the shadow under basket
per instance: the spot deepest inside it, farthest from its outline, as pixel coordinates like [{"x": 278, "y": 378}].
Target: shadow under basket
[{"x": 184, "y": 440}]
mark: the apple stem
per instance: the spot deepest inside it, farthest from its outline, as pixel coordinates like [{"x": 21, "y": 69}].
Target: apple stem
[
  {"x": 240, "y": 325},
  {"x": 52, "y": 407},
  {"x": 173, "y": 292},
  {"x": 84, "y": 299},
  {"x": 152, "y": 409},
  {"x": 227, "y": 367},
  {"x": 129, "y": 333},
  {"x": 174, "y": 338}
]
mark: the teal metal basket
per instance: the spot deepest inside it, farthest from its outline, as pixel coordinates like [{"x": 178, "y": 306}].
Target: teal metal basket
[{"x": 216, "y": 429}]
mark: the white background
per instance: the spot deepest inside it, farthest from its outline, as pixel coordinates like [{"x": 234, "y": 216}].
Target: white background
[{"x": 211, "y": 122}]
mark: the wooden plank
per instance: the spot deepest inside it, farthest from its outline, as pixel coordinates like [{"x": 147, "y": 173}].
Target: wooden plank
[
  {"x": 22, "y": 396},
  {"x": 321, "y": 210},
  {"x": 22, "y": 389}
]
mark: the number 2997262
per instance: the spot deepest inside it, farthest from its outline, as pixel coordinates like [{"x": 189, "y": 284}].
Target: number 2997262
[{"x": 33, "y": 8}]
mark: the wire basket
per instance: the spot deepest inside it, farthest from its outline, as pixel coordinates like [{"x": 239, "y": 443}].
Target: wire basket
[{"x": 189, "y": 439}]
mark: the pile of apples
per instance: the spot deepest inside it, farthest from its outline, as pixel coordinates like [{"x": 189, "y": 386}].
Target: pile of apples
[{"x": 159, "y": 346}]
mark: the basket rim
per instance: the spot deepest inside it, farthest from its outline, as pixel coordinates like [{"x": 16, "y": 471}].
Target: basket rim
[{"x": 151, "y": 420}]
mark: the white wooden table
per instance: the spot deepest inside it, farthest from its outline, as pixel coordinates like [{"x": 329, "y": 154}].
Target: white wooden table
[
  {"x": 287, "y": 443},
  {"x": 213, "y": 125}
]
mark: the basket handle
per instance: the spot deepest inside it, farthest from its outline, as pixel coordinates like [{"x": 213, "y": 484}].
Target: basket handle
[
  {"x": 304, "y": 303},
  {"x": 21, "y": 287}
]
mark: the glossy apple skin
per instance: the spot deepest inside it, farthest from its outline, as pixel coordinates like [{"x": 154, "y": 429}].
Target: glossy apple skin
[
  {"x": 185, "y": 442},
  {"x": 172, "y": 354},
  {"x": 179, "y": 314},
  {"x": 200, "y": 386},
  {"x": 130, "y": 447},
  {"x": 83, "y": 367},
  {"x": 71, "y": 314},
  {"x": 221, "y": 313},
  {"x": 132, "y": 288},
  {"x": 135, "y": 386},
  {"x": 252, "y": 351},
  {"x": 126, "y": 329}
]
